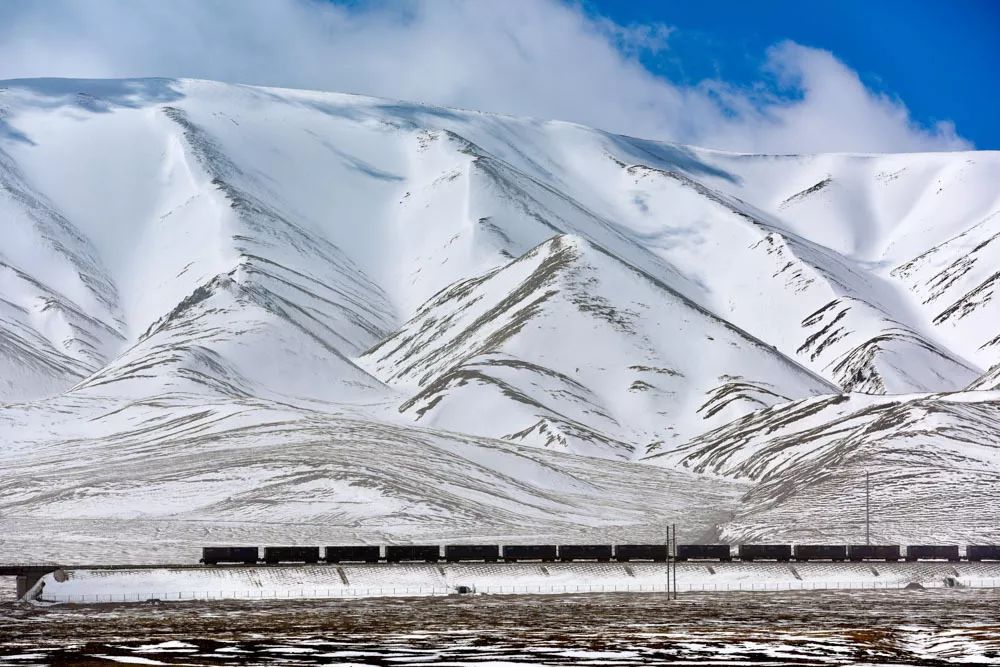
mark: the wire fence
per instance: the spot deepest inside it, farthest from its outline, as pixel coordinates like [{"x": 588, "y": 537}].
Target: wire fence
[{"x": 426, "y": 591}]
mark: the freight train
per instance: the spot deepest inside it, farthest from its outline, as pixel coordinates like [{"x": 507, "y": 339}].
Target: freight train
[{"x": 602, "y": 553}]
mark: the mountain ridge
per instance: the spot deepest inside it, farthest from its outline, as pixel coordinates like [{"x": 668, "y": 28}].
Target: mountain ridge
[{"x": 488, "y": 279}]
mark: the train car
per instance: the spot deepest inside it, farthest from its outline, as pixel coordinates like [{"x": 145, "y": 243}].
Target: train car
[
  {"x": 518, "y": 552},
  {"x": 275, "y": 555},
  {"x": 216, "y": 555},
  {"x": 489, "y": 553},
  {"x": 977, "y": 552},
  {"x": 834, "y": 552},
  {"x": 703, "y": 552},
  {"x": 629, "y": 552},
  {"x": 353, "y": 554},
  {"x": 397, "y": 553},
  {"x": 598, "y": 552},
  {"x": 778, "y": 552},
  {"x": 887, "y": 552},
  {"x": 915, "y": 552}
]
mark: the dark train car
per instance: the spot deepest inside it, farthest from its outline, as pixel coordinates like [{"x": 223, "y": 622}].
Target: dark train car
[
  {"x": 779, "y": 552},
  {"x": 275, "y": 555},
  {"x": 704, "y": 552},
  {"x": 834, "y": 552},
  {"x": 599, "y": 552},
  {"x": 353, "y": 554},
  {"x": 886, "y": 552},
  {"x": 542, "y": 552},
  {"x": 627, "y": 552},
  {"x": 396, "y": 553},
  {"x": 216, "y": 555},
  {"x": 916, "y": 552},
  {"x": 975, "y": 552},
  {"x": 489, "y": 553}
]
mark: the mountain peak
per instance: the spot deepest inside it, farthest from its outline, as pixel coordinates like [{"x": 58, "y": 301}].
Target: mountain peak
[{"x": 206, "y": 282}]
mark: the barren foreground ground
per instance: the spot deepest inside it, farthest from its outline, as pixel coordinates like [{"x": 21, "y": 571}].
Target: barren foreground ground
[{"x": 817, "y": 628}]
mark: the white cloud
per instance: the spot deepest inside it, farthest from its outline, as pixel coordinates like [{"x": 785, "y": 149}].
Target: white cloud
[
  {"x": 833, "y": 110},
  {"x": 539, "y": 58}
]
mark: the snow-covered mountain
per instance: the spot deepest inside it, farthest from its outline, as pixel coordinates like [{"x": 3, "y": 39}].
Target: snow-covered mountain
[
  {"x": 933, "y": 463},
  {"x": 326, "y": 263},
  {"x": 568, "y": 346}
]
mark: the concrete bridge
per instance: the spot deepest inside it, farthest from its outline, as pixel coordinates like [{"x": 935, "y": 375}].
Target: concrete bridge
[
  {"x": 28, "y": 574},
  {"x": 138, "y": 582}
]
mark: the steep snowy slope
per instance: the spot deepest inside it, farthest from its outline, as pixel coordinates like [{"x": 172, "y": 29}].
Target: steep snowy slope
[
  {"x": 956, "y": 281},
  {"x": 196, "y": 224},
  {"x": 934, "y": 465},
  {"x": 289, "y": 331},
  {"x": 829, "y": 311},
  {"x": 924, "y": 222},
  {"x": 570, "y": 345},
  {"x": 59, "y": 318},
  {"x": 370, "y": 264}
]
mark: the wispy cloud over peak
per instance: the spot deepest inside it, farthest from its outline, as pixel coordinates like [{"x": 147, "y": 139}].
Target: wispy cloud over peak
[{"x": 541, "y": 58}]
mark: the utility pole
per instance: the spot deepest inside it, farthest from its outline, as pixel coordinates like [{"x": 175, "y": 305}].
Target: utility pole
[
  {"x": 868, "y": 525},
  {"x": 666, "y": 540},
  {"x": 674, "y": 530}
]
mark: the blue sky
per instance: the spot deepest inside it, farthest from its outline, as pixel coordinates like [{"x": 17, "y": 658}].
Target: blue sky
[
  {"x": 941, "y": 58},
  {"x": 770, "y": 76}
]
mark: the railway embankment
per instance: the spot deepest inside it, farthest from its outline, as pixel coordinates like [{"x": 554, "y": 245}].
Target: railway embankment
[{"x": 167, "y": 584}]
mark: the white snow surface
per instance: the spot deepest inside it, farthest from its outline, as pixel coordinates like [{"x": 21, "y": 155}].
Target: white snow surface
[{"x": 227, "y": 308}]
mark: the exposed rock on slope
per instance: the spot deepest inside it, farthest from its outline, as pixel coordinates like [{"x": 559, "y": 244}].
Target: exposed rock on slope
[
  {"x": 827, "y": 310},
  {"x": 956, "y": 282},
  {"x": 933, "y": 462},
  {"x": 572, "y": 348},
  {"x": 989, "y": 381}
]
